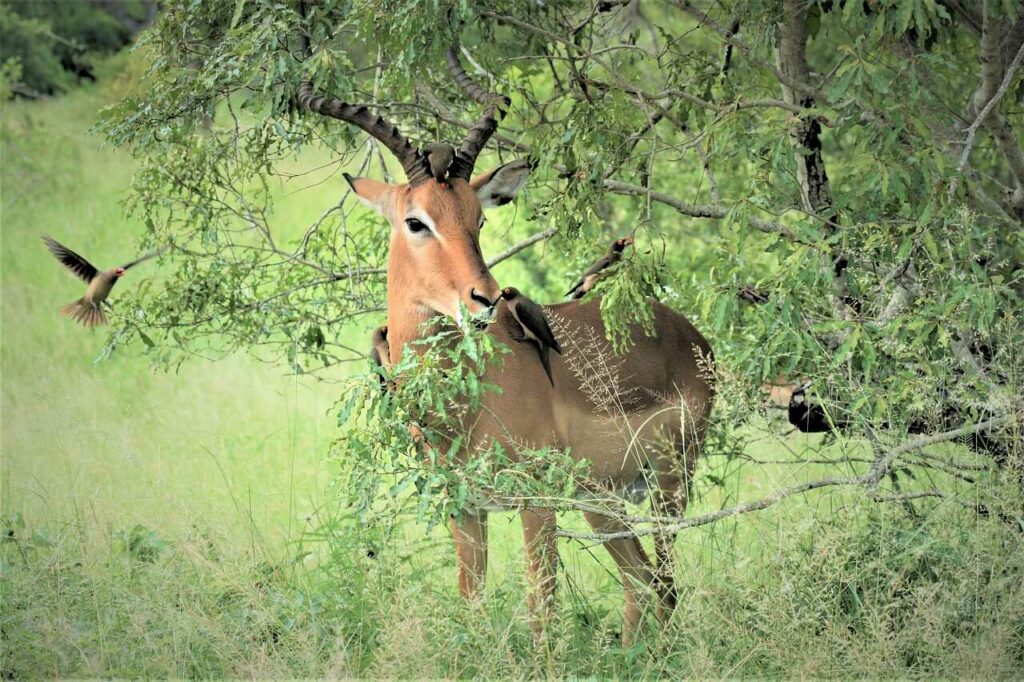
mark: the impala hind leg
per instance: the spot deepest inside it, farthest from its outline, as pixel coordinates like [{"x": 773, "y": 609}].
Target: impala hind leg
[
  {"x": 470, "y": 533},
  {"x": 669, "y": 500},
  {"x": 539, "y": 527},
  {"x": 635, "y": 568}
]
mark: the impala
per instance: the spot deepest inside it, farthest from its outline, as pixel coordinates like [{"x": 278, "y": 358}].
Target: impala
[{"x": 662, "y": 391}]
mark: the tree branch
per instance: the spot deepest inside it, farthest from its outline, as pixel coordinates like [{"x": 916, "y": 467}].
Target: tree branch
[
  {"x": 671, "y": 524},
  {"x": 983, "y": 117},
  {"x": 697, "y": 210},
  {"x": 529, "y": 241}
]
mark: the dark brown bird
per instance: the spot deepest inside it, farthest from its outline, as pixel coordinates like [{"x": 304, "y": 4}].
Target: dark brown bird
[
  {"x": 439, "y": 157},
  {"x": 86, "y": 310},
  {"x": 534, "y": 323},
  {"x": 380, "y": 353},
  {"x": 811, "y": 417},
  {"x": 593, "y": 273}
]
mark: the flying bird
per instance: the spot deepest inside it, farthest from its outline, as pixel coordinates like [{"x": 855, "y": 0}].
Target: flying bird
[
  {"x": 534, "y": 324},
  {"x": 593, "y": 273},
  {"x": 380, "y": 353},
  {"x": 86, "y": 310}
]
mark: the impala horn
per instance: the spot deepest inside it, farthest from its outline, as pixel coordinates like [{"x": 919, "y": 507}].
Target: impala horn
[
  {"x": 413, "y": 162},
  {"x": 485, "y": 126}
]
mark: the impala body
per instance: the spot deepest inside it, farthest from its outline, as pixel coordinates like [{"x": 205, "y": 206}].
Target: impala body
[{"x": 639, "y": 419}]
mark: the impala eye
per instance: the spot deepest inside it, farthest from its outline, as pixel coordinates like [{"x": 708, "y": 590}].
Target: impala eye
[{"x": 416, "y": 226}]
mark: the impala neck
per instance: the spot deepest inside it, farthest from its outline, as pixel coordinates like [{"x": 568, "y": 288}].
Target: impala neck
[{"x": 407, "y": 319}]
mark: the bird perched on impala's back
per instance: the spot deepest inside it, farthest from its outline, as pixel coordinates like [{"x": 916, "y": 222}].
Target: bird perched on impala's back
[
  {"x": 380, "y": 352},
  {"x": 589, "y": 278},
  {"x": 86, "y": 310},
  {"x": 439, "y": 158},
  {"x": 534, "y": 323}
]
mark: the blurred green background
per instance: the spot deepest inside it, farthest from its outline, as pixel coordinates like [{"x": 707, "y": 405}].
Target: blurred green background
[{"x": 111, "y": 443}]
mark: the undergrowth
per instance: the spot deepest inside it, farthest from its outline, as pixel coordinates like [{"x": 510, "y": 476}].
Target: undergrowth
[{"x": 871, "y": 593}]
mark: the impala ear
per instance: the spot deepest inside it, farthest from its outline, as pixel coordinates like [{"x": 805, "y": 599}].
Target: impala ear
[
  {"x": 372, "y": 193},
  {"x": 498, "y": 186}
]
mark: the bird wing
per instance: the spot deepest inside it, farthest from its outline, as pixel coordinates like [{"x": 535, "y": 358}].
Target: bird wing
[
  {"x": 575, "y": 287},
  {"x": 71, "y": 260},
  {"x": 532, "y": 317},
  {"x": 151, "y": 254},
  {"x": 596, "y": 267},
  {"x": 599, "y": 265}
]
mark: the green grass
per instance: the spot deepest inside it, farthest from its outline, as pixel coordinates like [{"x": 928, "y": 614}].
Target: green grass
[{"x": 182, "y": 524}]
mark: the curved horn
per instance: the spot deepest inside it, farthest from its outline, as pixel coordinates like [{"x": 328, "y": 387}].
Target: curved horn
[
  {"x": 485, "y": 126},
  {"x": 413, "y": 162}
]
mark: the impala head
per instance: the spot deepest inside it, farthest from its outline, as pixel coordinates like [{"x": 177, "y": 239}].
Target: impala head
[
  {"x": 435, "y": 261},
  {"x": 435, "y": 264}
]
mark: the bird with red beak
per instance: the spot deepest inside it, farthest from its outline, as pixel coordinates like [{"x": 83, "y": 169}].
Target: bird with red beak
[{"x": 87, "y": 310}]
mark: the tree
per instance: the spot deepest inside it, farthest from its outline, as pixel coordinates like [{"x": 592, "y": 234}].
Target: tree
[{"x": 857, "y": 164}]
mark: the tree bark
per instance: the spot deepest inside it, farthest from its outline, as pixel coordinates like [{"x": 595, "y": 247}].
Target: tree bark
[{"x": 815, "y": 192}]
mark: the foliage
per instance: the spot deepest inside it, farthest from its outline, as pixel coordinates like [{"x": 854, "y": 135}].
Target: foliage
[
  {"x": 891, "y": 273},
  {"x": 409, "y": 431},
  {"x": 869, "y": 593},
  {"x": 28, "y": 44},
  {"x": 49, "y": 37}
]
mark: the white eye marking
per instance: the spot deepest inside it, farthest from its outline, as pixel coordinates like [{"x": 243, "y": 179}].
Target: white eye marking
[{"x": 419, "y": 224}]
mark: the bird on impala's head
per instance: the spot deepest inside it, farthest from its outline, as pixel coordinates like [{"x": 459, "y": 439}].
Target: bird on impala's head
[
  {"x": 589, "y": 278},
  {"x": 534, "y": 323},
  {"x": 86, "y": 310},
  {"x": 380, "y": 352},
  {"x": 439, "y": 157}
]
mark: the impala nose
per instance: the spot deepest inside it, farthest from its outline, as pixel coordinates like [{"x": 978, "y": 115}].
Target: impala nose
[{"x": 481, "y": 299}]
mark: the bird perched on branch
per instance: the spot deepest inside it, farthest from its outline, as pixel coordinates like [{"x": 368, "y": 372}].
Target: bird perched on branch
[
  {"x": 86, "y": 310},
  {"x": 439, "y": 157},
  {"x": 593, "y": 273},
  {"x": 534, "y": 323},
  {"x": 380, "y": 353}
]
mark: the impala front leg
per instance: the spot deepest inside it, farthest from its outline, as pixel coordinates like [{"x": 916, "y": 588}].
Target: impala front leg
[
  {"x": 470, "y": 533},
  {"x": 539, "y": 527}
]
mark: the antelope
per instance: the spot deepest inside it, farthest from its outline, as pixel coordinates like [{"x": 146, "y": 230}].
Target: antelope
[{"x": 664, "y": 389}]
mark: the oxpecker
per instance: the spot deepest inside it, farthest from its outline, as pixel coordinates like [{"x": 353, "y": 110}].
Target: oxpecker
[
  {"x": 534, "y": 323},
  {"x": 86, "y": 310},
  {"x": 439, "y": 157},
  {"x": 593, "y": 273}
]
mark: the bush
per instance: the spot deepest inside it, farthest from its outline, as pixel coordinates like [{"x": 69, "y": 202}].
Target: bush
[
  {"x": 49, "y": 38},
  {"x": 31, "y": 44}
]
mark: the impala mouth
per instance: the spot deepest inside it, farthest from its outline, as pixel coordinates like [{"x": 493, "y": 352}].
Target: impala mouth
[{"x": 480, "y": 318}]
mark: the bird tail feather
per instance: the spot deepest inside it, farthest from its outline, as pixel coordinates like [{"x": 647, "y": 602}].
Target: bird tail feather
[{"x": 85, "y": 313}]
